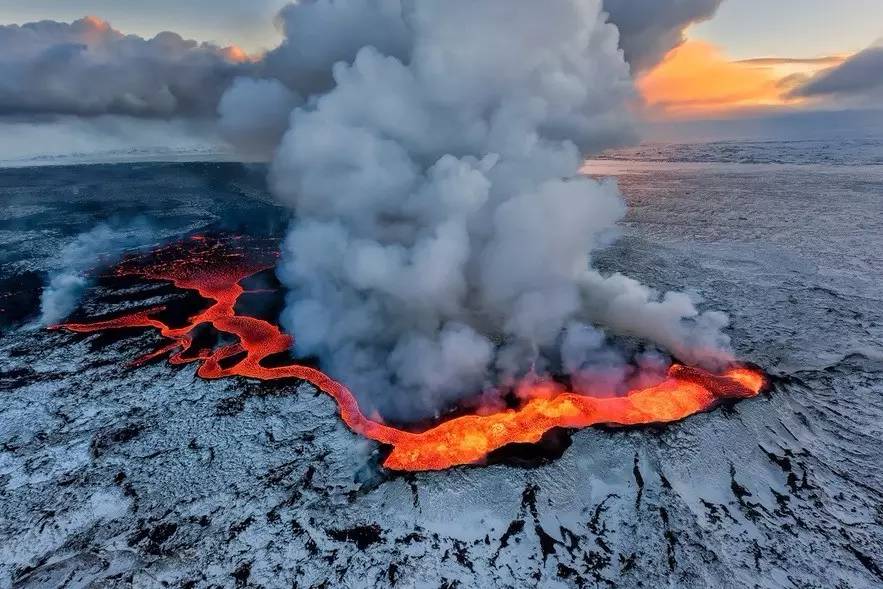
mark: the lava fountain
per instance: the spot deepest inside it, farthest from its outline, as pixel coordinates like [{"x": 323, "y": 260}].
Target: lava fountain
[{"x": 215, "y": 268}]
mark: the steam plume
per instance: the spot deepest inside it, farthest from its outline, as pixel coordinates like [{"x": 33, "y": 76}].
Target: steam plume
[
  {"x": 432, "y": 151},
  {"x": 444, "y": 235},
  {"x": 102, "y": 244},
  {"x": 253, "y": 114}
]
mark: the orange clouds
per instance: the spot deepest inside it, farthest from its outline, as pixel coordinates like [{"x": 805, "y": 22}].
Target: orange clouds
[
  {"x": 697, "y": 79},
  {"x": 235, "y": 54}
]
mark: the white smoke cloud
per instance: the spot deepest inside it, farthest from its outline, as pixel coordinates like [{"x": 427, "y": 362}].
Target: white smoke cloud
[
  {"x": 253, "y": 114},
  {"x": 671, "y": 320},
  {"x": 443, "y": 237},
  {"x": 100, "y": 246}
]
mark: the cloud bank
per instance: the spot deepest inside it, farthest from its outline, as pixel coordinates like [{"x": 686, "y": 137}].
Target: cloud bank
[
  {"x": 87, "y": 68},
  {"x": 858, "y": 79}
]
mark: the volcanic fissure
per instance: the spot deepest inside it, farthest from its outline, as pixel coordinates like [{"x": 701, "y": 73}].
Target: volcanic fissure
[{"x": 215, "y": 269}]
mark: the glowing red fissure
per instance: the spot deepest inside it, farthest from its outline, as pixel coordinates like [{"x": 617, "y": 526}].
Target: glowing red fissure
[{"x": 215, "y": 272}]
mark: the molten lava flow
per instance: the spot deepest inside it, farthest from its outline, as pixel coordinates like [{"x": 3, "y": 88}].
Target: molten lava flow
[{"x": 214, "y": 269}]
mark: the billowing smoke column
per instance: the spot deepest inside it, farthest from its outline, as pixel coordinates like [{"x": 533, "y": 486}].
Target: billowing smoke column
[
  {"x": 103, "y": 244},
  {"x": 431, "y": 150},
  {"x": 443, "y": 237}
]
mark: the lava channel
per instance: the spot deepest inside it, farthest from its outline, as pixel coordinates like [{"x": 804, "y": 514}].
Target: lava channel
[{"x": 214, "y": 268}]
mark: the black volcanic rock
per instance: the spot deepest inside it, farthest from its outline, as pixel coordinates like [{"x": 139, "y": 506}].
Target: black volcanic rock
[{"x": 113, "y": 476}]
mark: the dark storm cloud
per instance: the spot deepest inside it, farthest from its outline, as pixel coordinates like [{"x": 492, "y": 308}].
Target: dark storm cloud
[
  {"x": 860, "y": 76},
  {"x": 88, "y": 68},
  {"x": 650, "y": 29}
]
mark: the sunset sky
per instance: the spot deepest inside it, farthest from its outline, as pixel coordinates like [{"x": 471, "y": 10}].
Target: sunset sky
[
  {"x": 754, "y": 51},
  {"x": 753, "y": 58},
  {"x": 748, "y": 57},
  {"x": 700, "y": 78}
]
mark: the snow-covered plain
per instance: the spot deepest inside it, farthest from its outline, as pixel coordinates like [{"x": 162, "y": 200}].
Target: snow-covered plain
[{"x": 115, "y": 477}]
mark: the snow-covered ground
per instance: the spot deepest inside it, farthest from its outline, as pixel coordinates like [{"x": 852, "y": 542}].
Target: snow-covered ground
[{"x": 152, "y": 477}]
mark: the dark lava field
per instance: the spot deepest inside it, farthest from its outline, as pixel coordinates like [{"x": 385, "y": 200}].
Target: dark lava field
[{"x": 115, "y": 476}]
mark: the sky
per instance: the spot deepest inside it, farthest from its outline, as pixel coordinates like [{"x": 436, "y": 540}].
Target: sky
[
  {"x": 750, "y": 57},
  {"x": 248, "y": 24},
  {"x": 743, "y": 28},
  {"x": 754, "y": 58},
  {"x": 793, "y": 28}
]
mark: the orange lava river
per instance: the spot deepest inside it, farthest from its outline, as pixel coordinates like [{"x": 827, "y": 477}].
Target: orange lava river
[{"x": 214, "y": 269}]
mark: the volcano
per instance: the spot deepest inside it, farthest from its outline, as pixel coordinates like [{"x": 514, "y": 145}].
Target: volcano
[
  {"x": 215, "y": 267},
  {"x": 114, "y": 474}
]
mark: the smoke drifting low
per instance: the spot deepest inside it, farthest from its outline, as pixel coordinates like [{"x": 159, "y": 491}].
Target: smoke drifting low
[
  {"x": 102, "y": 245},
  {"x": 443, "y": 237}
]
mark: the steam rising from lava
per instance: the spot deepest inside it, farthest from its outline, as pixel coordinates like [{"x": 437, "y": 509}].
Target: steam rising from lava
[
  {"x": 443, "y": 237},
  {"x": 104, "y": 243},
  {"x": 442, "y": 250},
  {"x": 217, "y": 269}
]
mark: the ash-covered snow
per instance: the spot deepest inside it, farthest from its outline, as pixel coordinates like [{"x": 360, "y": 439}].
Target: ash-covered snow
[
  {"x": 834, "y": 151},
  {"x": 151, "y": 477}
]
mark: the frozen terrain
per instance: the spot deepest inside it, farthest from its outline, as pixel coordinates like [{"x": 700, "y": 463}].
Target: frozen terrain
[
  {"x": 150, "y": 477},
  {"x": 814, "y": 152}
]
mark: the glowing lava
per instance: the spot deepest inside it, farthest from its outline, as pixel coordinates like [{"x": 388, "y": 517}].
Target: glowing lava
[{"x": 214, "y": 269}]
